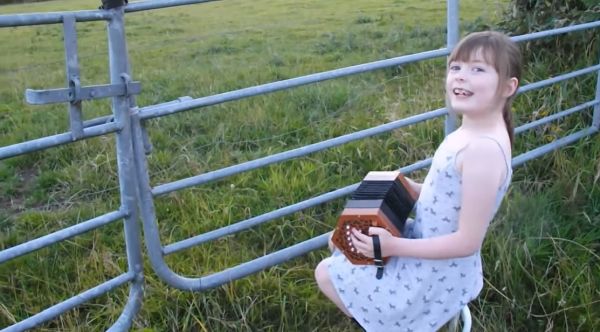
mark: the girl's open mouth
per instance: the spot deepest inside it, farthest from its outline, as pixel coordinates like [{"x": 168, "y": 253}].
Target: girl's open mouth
[{"x": 462, "y": 92}]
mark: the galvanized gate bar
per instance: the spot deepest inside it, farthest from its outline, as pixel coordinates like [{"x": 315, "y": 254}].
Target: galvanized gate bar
[
  {"x": 110, "y": 118},
  {"x": 559, "y": 78},
  {"x": 134, "y": 302},
  {"x": 556, "y": 116},
  {"x": 148, "y": 215},
  {"x": 158, "y": 4},
  {"x": 154, "y": 112},
  {"x": 73, "y": 75},
  {"x": 557, "y": 31},
  {"x": 15, "y": 20},
  {"x": 542, "y": 150},
  {"x": 63, "y": 234},
  {"x": 55, "y": 140},
  {"x": 98, "y": 121},
  {"x": 255, "y": 221},
  {"x": 282, "y": 212},
  {"x": 290, "y": 154},
  {"x": 119, "y": 70},
  {"x": 596, "y": 116},
  {"x": 452, "y": 36},
  {"x": 71, "y": 303}
]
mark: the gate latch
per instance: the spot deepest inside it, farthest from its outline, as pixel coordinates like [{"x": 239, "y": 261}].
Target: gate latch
[{"x": 75, "y": 92}]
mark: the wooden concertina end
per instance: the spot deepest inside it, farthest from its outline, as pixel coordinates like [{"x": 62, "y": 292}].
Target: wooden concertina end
[{"x": 383, "y": 199}]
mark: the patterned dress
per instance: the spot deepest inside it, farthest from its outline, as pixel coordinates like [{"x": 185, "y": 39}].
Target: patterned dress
[{"x": 417, "y": 294}]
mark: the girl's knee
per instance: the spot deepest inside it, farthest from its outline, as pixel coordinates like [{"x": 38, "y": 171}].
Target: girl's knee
[{"x": 322, "y": 273}]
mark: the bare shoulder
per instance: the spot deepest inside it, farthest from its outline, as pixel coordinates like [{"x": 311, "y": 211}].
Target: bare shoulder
[
  {"x": 487, "y": 156},
  {"x": 488, "y": 147}
]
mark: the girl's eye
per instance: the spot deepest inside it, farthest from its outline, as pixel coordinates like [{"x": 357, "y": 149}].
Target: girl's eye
[
  {"x": 478, "y": 69},
  {"x": 454, "y": 67}
]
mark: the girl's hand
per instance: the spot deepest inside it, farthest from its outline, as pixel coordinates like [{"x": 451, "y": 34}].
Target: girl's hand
[
  {"x": 414, "y": 185},
  {"x": 364, "y": 243}
]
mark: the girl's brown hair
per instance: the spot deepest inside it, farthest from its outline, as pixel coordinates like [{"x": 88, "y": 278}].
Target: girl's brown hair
[{"x": 500, "y": 52}]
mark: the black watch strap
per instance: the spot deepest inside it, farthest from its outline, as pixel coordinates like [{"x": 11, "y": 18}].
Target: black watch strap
[{"x": 377, "y": 259}]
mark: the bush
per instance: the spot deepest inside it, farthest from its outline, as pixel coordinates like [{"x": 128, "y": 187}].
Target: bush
[{"x": 526, "y": 16}]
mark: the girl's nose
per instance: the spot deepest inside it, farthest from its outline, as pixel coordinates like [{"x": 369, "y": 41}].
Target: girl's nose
[{"x": 459, "y": 76}]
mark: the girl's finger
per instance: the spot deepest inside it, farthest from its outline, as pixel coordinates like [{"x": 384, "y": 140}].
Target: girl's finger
[
  {"x": 364, "y": 248},
  {"x": 358, "y": 234},
  {"x": 356, "y": 241}
]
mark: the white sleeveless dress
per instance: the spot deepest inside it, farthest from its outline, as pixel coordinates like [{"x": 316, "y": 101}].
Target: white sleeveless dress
[{"x": 417, "y": 294}]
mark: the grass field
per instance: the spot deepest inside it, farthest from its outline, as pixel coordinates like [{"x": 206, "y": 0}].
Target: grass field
[{"x": 542, "y": 254}]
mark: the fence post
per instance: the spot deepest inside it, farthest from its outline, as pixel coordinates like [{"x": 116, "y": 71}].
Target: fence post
[
  {"x": 121, "y": 107},
  {"x": 452, "y": 35}
]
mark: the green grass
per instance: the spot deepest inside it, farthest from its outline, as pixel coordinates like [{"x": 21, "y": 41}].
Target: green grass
[{"x": 541, "y": 256}]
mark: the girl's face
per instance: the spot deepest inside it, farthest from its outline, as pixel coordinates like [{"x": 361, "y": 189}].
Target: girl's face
[{"x": 472, "y": 86}]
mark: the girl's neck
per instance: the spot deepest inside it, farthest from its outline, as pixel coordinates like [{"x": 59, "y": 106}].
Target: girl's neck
[{"x": 483, "y": 122}]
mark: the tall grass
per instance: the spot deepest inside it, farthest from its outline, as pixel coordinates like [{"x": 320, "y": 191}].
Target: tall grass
[{"x": 541, "y": 255}]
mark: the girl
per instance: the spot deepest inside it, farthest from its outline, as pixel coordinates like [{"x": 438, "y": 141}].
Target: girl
[{"x": 435, "y": 269}]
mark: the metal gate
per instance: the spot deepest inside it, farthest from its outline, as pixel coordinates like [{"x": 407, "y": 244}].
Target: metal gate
[{"x": 137, "y": 194}]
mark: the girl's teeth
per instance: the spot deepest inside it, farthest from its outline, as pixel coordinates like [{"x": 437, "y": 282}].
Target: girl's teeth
[{"x": 462, "y": 92}]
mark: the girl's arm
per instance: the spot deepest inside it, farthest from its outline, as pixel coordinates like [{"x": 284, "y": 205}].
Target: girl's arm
[{"x": 483, "y": 170}]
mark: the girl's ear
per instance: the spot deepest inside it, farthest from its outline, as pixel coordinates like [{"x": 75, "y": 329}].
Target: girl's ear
[{"x": 511, "y": 87}]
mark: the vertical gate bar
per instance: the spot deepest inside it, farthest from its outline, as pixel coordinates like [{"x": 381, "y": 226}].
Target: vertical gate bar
[
  {"x": 123, "y": 323},
  {"x": 452, "y": 35},
  {"x": 148, "y": 215},
  {"x": 72, "y": 64},
  {"x": 119, "y": 71},
  {"x": 596, "y": 116}
]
